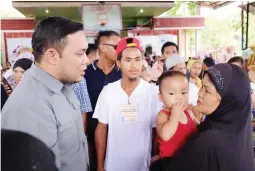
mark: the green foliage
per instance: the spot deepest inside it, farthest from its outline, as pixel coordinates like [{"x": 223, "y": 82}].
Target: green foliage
[
  {"x": 180, "y": 7},
  {"x": 217, "y": 33}
]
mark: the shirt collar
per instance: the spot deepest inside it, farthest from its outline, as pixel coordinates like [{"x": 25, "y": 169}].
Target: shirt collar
[
  {"x": 45, "y": 78},
  {"x": 95, "y": 67},
  {"x": 94, "y": 64}
]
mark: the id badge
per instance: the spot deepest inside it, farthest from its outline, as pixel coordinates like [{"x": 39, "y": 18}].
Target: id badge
[{"x": 128, "y": 113}]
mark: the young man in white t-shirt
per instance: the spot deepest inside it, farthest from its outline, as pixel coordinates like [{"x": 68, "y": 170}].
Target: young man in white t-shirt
[{"x": 126, "y": 111}]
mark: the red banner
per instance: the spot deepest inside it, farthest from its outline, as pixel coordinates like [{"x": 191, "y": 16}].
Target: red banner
[
  {"x": 153, "y": 32},
  {"x": 178, "y": 22}
]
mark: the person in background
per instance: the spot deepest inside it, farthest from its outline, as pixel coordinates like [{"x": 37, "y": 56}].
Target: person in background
[
  {"x": 23, "y": 152},
  {"x": 195, "y": 68},
  {"x": 169, "y": 49},
  {"x": 92, "y": 53},
  {"x": 19, "y": 68},
  {"x": 25, "y": 53},
  {"x": 44, "y": 104},
  {"x": 4, "y": 96},
  {"x": 8, "y": 70},
  {"x": 207, "y": 62},
  {"x": 146, "y": 72},
  {"x": 174, "y": 123},
  {"x": 81, "y": 91},
  {"x": 239, "y": 61},
  {"x": 98, "y": 74},
  {"x": 127, "y": 119}
]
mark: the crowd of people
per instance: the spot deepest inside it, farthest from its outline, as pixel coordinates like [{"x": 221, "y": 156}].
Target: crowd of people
[{"x": 107, "y": 106}]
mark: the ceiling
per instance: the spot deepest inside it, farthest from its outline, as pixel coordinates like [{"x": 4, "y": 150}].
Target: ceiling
[
  {"x": 131, "y": 16},
  {"x": 40, "y": 13},
  {"x": 212, "y": 4},
  {"x": 251, "y": 7}
]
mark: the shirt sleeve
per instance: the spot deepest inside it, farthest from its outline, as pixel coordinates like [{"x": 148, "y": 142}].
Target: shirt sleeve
[
  {"x": 102, "y": 107},
  {"x": 157, "y": 105},
  {"x": 81, "y": 92},
  {"x": 34, "y": 121}
]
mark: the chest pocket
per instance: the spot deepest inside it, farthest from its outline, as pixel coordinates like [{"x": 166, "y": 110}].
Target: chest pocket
[{"x": 67, "y": 116}]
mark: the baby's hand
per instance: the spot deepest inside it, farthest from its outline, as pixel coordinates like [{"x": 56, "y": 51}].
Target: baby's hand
[{"x": 178, "y": 108}]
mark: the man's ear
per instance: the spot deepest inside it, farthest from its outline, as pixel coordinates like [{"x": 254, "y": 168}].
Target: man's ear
[
  {"x": 52, "y": 55},
  {"x": 118, "y": 64},
  {"x": 218, "y": 97}
]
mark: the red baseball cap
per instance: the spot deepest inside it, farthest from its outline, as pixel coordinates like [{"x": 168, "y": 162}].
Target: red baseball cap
[{"x": 127, "y": 42}]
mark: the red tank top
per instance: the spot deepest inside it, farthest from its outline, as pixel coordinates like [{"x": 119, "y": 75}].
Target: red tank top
[{"x": 183, "y": 131}]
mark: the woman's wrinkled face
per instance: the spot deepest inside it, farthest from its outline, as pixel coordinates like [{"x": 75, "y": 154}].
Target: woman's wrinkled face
[{"x": 208, "y": 97}]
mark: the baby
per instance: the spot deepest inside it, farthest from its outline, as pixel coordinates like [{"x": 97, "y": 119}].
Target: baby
[{"x": 174, "y": 123}]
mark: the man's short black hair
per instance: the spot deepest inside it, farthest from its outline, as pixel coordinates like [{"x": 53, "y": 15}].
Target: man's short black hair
[
  {"x": 51, "y": 32},
  {"x": 236, "y": 59},
  {"x": 91, "y": 49},
  {"x": 209, "y": 62},
  {"x": 169, "y": 74},
  {"x": 169, "y": 44},
  {"x": 107, "y": 33},
  {"x": 25, "y": 152},
  {"x": 119, "y": 57}
]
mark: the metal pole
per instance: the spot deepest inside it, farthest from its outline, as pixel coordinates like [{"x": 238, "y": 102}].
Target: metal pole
[
  {"x": 242, "y": 39},
  {"x": 247, "y": 25}
]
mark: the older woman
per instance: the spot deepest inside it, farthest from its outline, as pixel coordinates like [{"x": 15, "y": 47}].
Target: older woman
[
  {"x": 20, "y": 66},
  {"x": 224, "y": 140},
  {"x": 9, "y": 83}
]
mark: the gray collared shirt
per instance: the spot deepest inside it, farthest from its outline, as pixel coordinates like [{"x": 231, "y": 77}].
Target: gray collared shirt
[{"x": 45, "y": 108}]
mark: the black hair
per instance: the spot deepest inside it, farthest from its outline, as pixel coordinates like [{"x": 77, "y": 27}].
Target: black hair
[
  {"x": 51, "y": 32},
  {"x": 236, "y": 59},
  {"x": 23, "y": 63},
  {"x": 208, "y": 61},
  {"x": 25, "y": 152},
  {"x": 91, "y": 49},
  {"x": 119, "y": 57},
  {"x": 240, "y": 60},
  {"x": 107, "y": 33},
  {"x": 169, "y": 44},
  {"x": 169, "y": 74}
]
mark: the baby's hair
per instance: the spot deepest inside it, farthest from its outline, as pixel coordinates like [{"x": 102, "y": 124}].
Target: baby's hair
[{"x": 169, "y": 74}]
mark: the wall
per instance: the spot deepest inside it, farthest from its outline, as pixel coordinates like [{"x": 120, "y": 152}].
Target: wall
[{"x": 15, "y": 28}]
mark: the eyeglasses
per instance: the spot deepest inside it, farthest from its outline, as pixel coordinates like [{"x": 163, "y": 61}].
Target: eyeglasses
[{"x": 114, "y": 46}]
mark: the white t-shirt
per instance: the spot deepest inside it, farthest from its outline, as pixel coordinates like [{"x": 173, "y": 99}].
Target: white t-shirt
[
  {"x": 252, "y": 87},
  {"x": 193, "y": 94},
  {"x": 128, "y": 144}
]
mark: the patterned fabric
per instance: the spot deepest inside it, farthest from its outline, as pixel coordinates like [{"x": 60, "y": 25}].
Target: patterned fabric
[
  {"x": 11, "y": 81},
  {"x": 81, "y": 91},
  {"x": 217, "y": 75}
]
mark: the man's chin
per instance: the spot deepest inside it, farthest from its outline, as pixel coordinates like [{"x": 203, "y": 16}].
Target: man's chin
[
  {"x": 133, "y": 78},
  {"x": 78, "y": 79}
]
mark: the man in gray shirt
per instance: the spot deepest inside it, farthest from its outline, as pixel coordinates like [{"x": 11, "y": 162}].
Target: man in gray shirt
[{"x": 44, "y": 104}]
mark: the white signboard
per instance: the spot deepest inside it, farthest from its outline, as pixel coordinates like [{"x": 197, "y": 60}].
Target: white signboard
[
  {"x": 16, "y": 44},
  {"x": 94, "y": 15}
]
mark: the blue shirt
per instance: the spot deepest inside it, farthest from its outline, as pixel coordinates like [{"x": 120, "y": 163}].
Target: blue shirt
[
  {"x": 81, "y": 91},
  {"x": 96, "y": 80}
]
